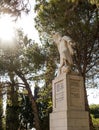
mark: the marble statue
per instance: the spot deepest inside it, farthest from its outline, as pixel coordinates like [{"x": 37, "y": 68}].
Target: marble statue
[{"x": 64, "y": 45}]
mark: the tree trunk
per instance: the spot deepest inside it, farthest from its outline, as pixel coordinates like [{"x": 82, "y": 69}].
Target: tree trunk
[
  {"x": 34, "y": 106},
  {"x": 87, "y": 106}
]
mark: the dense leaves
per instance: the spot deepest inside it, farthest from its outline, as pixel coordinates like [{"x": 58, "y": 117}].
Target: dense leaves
[
  {"x": 26, "y": 116},
  {"x": 21, "y": 62},
  {"x": 14, "y": 7},
  {"x": 44, "y": 99},
  {"x": 94, "y": 111},
  {"x": 78, "y": 20}
]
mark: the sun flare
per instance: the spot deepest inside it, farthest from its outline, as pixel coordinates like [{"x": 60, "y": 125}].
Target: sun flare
[{"x": 7, "y": 30}]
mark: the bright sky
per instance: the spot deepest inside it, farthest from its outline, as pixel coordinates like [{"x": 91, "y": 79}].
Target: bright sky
[
  {"x": 7, "y": 30},
  {"x": 28, "y": 24},
  {"x": 6, "y": 26},
  {"x": 93, "y": 96},
  {"x": 25, "y": 22}
]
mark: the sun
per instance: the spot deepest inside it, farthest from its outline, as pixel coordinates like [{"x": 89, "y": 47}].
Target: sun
[{"x": 7, "y": 29}]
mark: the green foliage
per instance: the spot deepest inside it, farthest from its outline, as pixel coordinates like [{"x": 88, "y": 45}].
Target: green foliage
[
  {"x": 80, "y": 21},
  {"x": 95, "y": 122},
  {"x": 12, "y": 112},
  {"x": 22, "y": 61},
  {"x": 44, "y": 104},
  {"x": 12, "y": 121},
  {"x": 14, "y": 7},
  {"x": 20, "y": 115},
  {"x": 1, "y": 115},
  {"x": 43, "y": 95},
  {"x": 26, "y": 116},
  {"x": 23, "y": 56},
  {"x": 33, "y": 53},
  {"x": 94, "y": 110}
]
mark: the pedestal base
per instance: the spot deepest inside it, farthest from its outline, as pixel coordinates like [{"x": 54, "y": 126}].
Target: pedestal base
[
  {"x": 68, "y": 104},
  {"x": 69, "y": 120}
]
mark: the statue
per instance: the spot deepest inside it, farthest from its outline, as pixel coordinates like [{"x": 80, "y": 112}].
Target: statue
[{"x": 64, "y": 45}]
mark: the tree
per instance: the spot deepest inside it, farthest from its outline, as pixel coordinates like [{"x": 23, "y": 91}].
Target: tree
[
  {"x": 82, "y": 27},
  {"x": 14, "y": 7},
  {"x": 26, "y": 115},
  {"x": 44, "y": 94},
  {"x": 22, "y": 62},
  {"x": 81, "y": 23},
  {"x": 79, "y": 20},
  {"x": 19, "y": 113},
  {"x": 94, "y": 111},
  {"x": 12, "y": 115}
]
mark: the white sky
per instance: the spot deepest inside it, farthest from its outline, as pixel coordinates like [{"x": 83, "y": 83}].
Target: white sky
[
  {"x": 93, "y": 96},
  {"x": 28, "y": 24}
]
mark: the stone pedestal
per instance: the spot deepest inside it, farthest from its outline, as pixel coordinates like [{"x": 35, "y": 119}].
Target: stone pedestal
[{"x": 68, "y": 104}]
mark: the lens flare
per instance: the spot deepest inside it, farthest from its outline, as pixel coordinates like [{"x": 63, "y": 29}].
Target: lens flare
[{"x": 7, "y": 29}]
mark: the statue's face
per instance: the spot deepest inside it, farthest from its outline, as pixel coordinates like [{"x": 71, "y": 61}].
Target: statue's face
[{"x": 56, "y": 37}]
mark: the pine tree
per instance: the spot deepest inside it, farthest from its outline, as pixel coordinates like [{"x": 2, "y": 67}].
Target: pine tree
[
  {"x": 79, "y": 20},
  {"x": 12, "y": 115}
]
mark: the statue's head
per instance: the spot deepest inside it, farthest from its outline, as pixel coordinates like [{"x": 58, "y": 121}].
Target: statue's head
[{"x": 56, "y": 37}]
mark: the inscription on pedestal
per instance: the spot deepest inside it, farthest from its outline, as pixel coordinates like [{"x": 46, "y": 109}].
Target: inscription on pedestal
[
  {"x": 75, "y": 93},
  {"x": 59, "y": 93}
]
